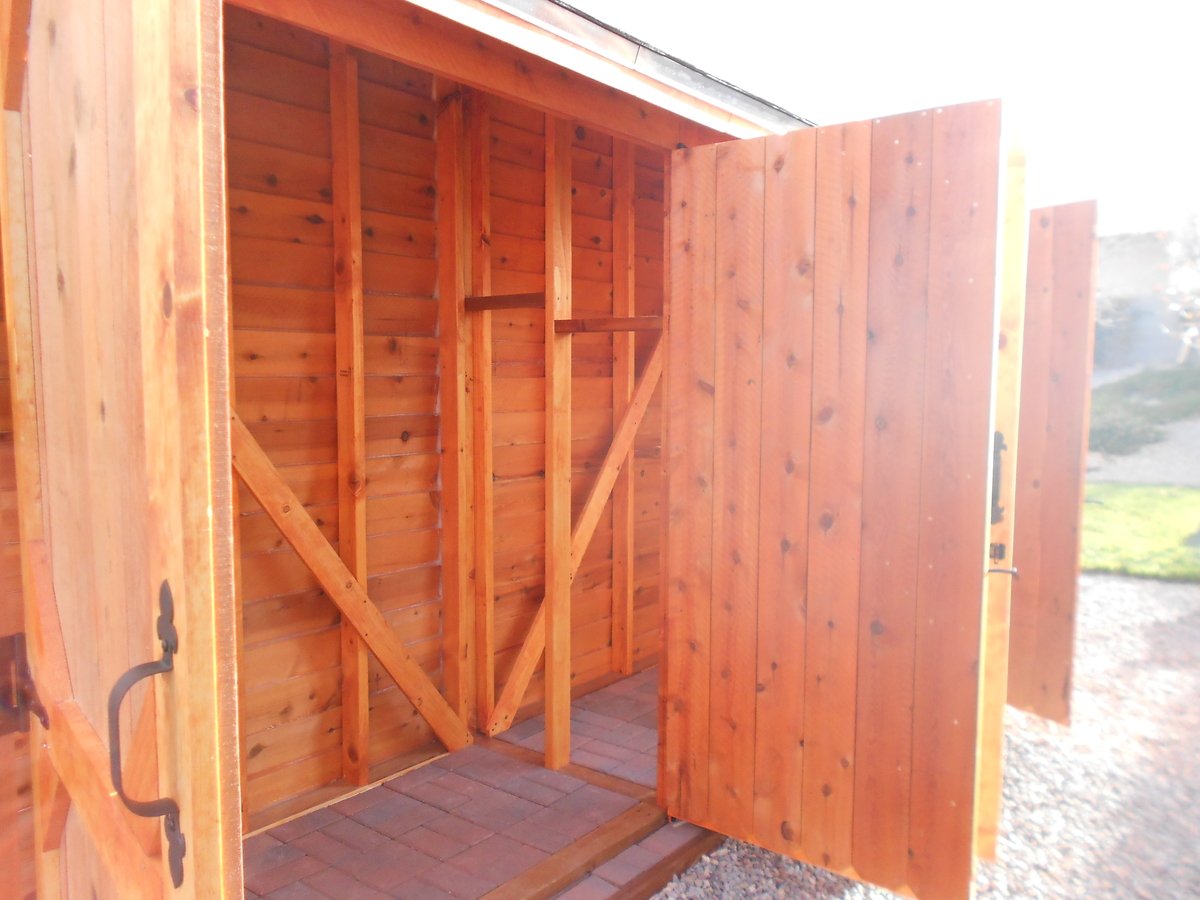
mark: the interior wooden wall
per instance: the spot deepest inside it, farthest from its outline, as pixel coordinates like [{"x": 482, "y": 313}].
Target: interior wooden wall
[
  {"x": 517, "y": 253},
  {"x": 279, "y": 162},
  {"x": 16, "y": 796},
  {"x": 649, "y": 267},
  {"x": 283, "y": 314}
]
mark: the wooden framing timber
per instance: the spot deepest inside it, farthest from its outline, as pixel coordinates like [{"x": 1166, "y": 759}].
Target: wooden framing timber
[
  {"x": 458, "y": 627},
  {"x": 557, "y": 632},
  {"x": 14, "y": 39},
  {"x": 622, "y": 445},
  {"x": 49, "y": 799},
  {"x": 1013, "y": 254},
  {"x": 299, "y": 529},
  {"x": 448, "y": 49},
  {"x": 351, "y": 395},
  {"x": 485, "y": 303},
  {"x": 616, "y": 64},
  {"x": 624, "y": 380},
  {"x": 608, "y": 325},
  {"x": 479, "y": 244}
]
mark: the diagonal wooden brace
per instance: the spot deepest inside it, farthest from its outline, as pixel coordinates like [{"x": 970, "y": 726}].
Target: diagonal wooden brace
[
  {"x": 297, "y": 526},
  {"x": 581, "y": 535}
]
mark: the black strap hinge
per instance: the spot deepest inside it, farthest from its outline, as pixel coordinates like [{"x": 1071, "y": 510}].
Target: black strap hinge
[{"x": 18, "y": 694}]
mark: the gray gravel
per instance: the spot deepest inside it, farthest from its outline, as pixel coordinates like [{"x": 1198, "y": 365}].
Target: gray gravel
[{"x": 1109, "y": 808}]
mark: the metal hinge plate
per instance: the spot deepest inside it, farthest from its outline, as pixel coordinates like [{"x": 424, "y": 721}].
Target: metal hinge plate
[{"x": 18, "y": 695}]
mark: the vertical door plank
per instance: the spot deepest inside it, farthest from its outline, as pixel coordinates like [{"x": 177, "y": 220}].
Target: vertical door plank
[
  {"x": 834, "y": 511},
  {"x": 479, "y": 236},
  {"x": 989, "y": 775},
  {"x": 893, "y": 432},
  {"x": 865, "y": 352},
  {"x": 691, "y": 376},
  {"x": 1068, "y": 309},
  {"x": 558, "y": 445},
  {"x": 737, "y": 431},
  {"x": 624, "y": 361},
  {"x": 788, "y": 252},
  {"x": 960, "y": 338},
  {"x": 351, "y": 396}
]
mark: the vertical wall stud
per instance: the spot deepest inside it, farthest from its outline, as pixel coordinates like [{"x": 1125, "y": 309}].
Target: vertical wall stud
[
  {"x": 558, "y": 445},
  {"x": 455, "y": 419},
  {"x": 479, "y": 149},
  {"x": 624, "y": 360},
  {"x": 351, "y": 403}
]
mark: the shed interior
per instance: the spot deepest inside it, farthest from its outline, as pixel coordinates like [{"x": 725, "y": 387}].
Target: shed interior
[{"x": 331, "y": 151}]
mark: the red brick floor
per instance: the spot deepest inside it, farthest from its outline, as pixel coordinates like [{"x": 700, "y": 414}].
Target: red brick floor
[
  {"x": 613, "y": 730},
  {"x": 471, "y": 821}
]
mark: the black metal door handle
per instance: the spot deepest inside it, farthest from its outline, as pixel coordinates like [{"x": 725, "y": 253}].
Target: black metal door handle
[{"x": 164, "y": 806}]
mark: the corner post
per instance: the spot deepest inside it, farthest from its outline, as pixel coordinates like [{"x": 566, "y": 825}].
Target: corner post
[{"x": 558, "y": 445}]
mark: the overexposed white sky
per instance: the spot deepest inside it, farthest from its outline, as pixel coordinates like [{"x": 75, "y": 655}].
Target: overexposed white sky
[{"x": 1103, "y": 95}]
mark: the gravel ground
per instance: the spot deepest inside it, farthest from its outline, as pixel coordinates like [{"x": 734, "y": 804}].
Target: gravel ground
[
  {"x": 1172, "y": 461},
  {"x": 1109, "y": 808}
]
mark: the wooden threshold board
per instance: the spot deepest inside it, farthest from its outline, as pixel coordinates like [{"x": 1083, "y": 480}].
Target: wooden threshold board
[
  {"x": 574, "y": 862},
  {"x": 328, "y": 794},
  {"x": 655, "y": 878}
]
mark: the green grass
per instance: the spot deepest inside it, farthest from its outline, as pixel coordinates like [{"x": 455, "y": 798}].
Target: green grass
[
  {"x": 1152, "y": 531},
  {"x": 1129, "y": 414}
]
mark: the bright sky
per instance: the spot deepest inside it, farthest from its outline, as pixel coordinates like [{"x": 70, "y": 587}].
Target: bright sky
[{"x": 1104, "y": 95}]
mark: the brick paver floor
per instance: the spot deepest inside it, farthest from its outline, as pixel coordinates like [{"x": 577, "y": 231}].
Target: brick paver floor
[
  {"x": 613, "y": 730},
  {"x": 468, "y": 822}
]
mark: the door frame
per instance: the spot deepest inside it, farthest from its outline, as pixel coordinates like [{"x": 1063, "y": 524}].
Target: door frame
[{"x": 189, "y": 724}]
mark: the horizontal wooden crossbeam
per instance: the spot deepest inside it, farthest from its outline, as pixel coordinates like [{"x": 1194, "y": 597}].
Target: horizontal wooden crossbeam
[
  {"x": 581, "y": 535},
  {"x": 608, "y": 324},
  {"x": 299, "y": 529},
  {"x": 505, "y": 301}
]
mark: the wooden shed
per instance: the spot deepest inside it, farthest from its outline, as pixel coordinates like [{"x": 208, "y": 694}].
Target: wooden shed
[{"x": 385, "y": 374}]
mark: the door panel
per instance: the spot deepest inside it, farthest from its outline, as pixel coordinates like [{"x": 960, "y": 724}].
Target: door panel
[
  {"x": 1055, "y": 400},
  {"x": 829, "y": 398},
  {"x": 122, "y": 475}
]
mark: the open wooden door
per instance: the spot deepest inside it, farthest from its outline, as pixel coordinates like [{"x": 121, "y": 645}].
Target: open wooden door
[
  {"x": 112, "y": 217},
  {"x": 1056, "y": 375},
  {"x": 832, "y": 332}
]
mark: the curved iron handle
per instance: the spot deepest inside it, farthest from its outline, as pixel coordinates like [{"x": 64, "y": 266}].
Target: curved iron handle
[{"x": 164, "y": 806}]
